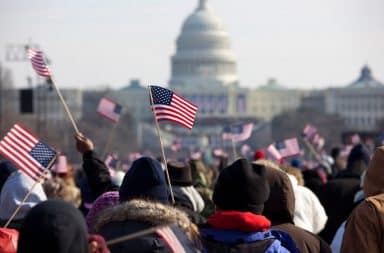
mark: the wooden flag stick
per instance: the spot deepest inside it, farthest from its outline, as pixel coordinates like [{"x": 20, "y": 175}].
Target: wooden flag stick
[
  {"x": 135, "y": 235},
  {"x": 41, "y": 178},
  {"x": 234, "y": 148},
  {"x": 65, "y": 106},
  {"x": 317, "y": 156},
  {"x": 109, "y": 141},
  {"x": 161, "y": 147}
]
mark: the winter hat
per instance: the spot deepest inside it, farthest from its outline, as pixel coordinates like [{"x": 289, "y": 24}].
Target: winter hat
[
  {"x": 14, "y": 191},
  {"x": 145, "y": 179},
  {"x": 53, "y": 226},
  {"x": 107, "y": 199},
  {"x": 6, "y": 169},
  {"x": 179, "y": 173},
  {"x": 8, "y": 240},
  {"x": 259, "y": 154},
  {"x": 242, "y": 187}
]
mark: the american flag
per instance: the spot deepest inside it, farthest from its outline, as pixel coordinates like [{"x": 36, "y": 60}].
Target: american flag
[
  {"x": 38, "y": 63},
  {"x": 28, "y": 153},
  {"x": 169, "y": 106},
  {"x": 273, "y": 152},
  {"x": 309, "y": 131},
  {"x": 288, "y": 147},
  {"x": 238, "y": 132},
  {"x": 109, "y": 109},
  {"x": 170, "y": 239}
]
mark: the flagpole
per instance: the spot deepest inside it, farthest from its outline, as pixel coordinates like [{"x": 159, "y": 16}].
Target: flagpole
[
  {"x": 234, "y": 148},
  {"x": 135, "y": 235},
  {"x": 65, "y": 106},
  {"x": 317, "y": 156},
  {"x": 41, "y": 178},
  {"x": 109, "y": 140},
  {"x": 161, "y": 147}
]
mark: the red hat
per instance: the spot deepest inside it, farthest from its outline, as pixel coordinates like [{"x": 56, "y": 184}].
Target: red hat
[{"x": 259, "y": 154}]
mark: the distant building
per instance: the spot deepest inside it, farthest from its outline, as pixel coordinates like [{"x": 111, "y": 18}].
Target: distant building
[
  {"x": 361, "y": 103},
  {"x": 203, "y": 55}
]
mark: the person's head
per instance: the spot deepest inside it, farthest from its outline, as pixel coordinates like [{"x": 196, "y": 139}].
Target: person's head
[
  {"x": 179, "y": 173},
  {"x": 57, "y": 188},
  {"x": 339, "y": 159},
  {"x": 280, "y": 206},
  {"x": 104, "y": 201},
  {"x": 259, "y": 154},
  {"x": 145, "y": 179},
  {"x": 241, "y": 186},
  {"x": 53, "y": 226},
  {"x": 294, "y": 172},
  {"x": 14, "y": 190},
  {"x": 374, "y": 177},
  {"x": 358, "y": 159}
]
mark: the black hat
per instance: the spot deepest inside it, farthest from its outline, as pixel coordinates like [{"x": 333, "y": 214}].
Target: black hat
[
  {"x": 53, "y": 226},
  {"x": 242, "y": 187},
  {"x": 145, "y": 179},
  {"x": 179, "y": 173}
]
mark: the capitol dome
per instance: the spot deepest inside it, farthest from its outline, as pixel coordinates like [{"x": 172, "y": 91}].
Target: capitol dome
[{"x": 203, "y": 55}]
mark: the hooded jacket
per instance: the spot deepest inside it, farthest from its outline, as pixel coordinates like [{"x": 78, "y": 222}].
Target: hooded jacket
[
  {"x": 138, "y": 214},
  {"x": 12, "y": 194},
  {"x": 280, "y": 209},
  {"x": 364, "y": 231},
  {"x": 309, "y": 213},
  {"x": 53, "y": 226}
]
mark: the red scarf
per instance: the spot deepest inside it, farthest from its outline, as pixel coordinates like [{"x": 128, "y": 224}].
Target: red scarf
[{"x": 241, "y": 221}]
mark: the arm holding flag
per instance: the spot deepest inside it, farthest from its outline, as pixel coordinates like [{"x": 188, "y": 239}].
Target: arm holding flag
[{"x": 95, "y": 169}]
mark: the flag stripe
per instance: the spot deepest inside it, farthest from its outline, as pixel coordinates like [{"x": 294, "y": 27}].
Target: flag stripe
[
  {"x": 173, "y": 111},
  {"x": 25, "y": 150},
  {"x": 10, "y": 157},
  {"x": 29, "y": 160},
  {"x": 164, "y": 110},
  {"x": 38, "y": 63},
  {"x": 168, "y": 118},
  {"x": 171, "y": 240},
  {"x": 167, "y": 105}
]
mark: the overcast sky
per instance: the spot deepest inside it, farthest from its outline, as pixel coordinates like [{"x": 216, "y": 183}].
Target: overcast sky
[{"x": 301, "y": 43}]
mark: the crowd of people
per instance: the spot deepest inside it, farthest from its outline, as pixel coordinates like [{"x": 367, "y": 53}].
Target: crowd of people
[{"x": 246, "y": 205}]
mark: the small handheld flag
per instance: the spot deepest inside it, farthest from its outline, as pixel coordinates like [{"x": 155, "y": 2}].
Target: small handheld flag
[
  {"x": 168, "y": 106},
  {"x": 28, "y": 153},
  {"x": 38, "y": 63},
  {"x": 109, "y": 109},
  {"x": 238, "y": 132},
  {"x": 171, "y": 240},
  {"x": 309, "y": 131}
]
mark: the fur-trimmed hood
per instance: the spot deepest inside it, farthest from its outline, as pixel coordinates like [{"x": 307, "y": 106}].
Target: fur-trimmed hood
[{"x": 153, "y": 213}]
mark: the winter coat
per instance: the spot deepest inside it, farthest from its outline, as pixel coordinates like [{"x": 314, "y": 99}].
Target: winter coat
[
  {"x": 309, "y": 213},
  {"x": 337, "y": 197},
  {"x": 12, "y": 194},
  {"x": 235, "y": 231},
  {"x": 97, "y": 173},
  {"x": 184, "y": 202},
  {"x": 364, "y": 231},
  {"x": 136, "y": 215},
  {"x": 280, "y": 209},
  {"x": 53, "y": 226}
]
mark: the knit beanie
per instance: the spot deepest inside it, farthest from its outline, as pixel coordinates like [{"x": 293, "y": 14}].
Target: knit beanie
[
  {"x": 14, "y": 190},
  {"x": 53, "y": 226},
  {"x": 259, "y": 154},
  {"x": 242, "y": 187},
  {"x": 145, "y": 179},
  {"x": 104, "y": 201}
]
